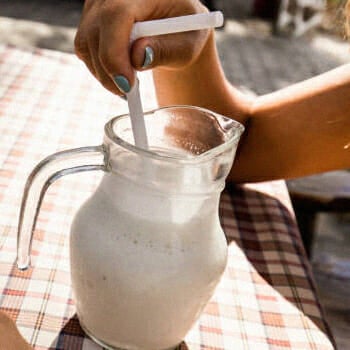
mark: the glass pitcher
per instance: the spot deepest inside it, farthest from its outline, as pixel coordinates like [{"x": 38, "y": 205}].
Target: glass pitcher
[{"x": 146, "y": 249}]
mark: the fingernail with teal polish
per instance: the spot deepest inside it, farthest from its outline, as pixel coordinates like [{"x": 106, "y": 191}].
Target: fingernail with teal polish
[
  {"x": 122, "y": 83},
  {"x": 149, "y": 56}
]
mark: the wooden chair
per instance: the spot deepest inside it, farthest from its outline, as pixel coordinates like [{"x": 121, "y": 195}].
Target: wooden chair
[{"x": 327, "y": 192}]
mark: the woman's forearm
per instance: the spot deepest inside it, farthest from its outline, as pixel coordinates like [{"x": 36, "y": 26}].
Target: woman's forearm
[{"x": 298, "y": 131}]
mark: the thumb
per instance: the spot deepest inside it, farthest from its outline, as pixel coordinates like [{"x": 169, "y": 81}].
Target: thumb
[{"x": 173, "y": 50}]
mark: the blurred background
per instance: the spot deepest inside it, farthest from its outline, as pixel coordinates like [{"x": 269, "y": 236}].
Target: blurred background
[{"x": 264, "y": 45}]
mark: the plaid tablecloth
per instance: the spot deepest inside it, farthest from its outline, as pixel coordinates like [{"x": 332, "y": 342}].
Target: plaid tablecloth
[{"x": 49, "y": 102}]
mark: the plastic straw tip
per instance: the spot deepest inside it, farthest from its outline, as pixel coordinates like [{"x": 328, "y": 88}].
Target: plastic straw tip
[{"x": 219, "y": 18}]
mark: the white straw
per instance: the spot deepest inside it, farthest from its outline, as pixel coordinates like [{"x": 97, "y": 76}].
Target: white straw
[
  {"x": 159, "y": 27},
  {"x": 136, "y": 116},
  {"x": 177, "y": 24}
]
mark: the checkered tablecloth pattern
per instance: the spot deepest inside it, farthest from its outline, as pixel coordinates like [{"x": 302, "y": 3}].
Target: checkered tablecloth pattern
[{"x": 49, "y": 102}]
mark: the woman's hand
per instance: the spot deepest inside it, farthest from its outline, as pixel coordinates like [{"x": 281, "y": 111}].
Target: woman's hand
[
  {"x": 103, "y": 39},
  {"x": 10, "y": 338}
]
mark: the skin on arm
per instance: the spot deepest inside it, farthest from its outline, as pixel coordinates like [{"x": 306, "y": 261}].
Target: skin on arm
[
  {"x": 298, "y": 131},
  {"x": 10, "y": 338}
]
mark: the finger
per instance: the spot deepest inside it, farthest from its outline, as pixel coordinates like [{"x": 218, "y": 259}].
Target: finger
[
  {"x": 81, "y": 46},
  {"x": 102, "y": 76},
  {"x": 174, "y": 51},
  {"x": 114, "y": 46},
  {"x": 88, "y": 47},
  {"x": 99, "y": 71},
  {"x": 87, "y": 51}
]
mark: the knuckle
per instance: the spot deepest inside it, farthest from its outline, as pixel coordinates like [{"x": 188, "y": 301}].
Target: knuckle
[
  {"x": 175, "y": 53},
  {"x": 110, "y": 8},
  {"x": 162, "y": 54},
  {"x": 190, "y": 45}
]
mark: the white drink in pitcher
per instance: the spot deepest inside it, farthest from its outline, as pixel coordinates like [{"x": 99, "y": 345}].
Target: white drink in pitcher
[{"x": 143, "y": 267}]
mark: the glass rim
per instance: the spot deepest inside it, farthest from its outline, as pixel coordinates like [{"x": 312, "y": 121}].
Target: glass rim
[{"x": 112, "y": 136}]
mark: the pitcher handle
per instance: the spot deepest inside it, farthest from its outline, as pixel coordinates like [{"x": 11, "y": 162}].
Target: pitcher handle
[{"x": 43, "y": 175}]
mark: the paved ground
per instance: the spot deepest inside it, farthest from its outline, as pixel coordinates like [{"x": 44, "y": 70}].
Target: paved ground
[{"x": 257, "y": 62}]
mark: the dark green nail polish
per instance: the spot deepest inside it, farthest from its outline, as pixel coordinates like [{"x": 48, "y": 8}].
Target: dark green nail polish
[
  {"x": 122, "y": 83},
  {"x": 149, "y": 56}
]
